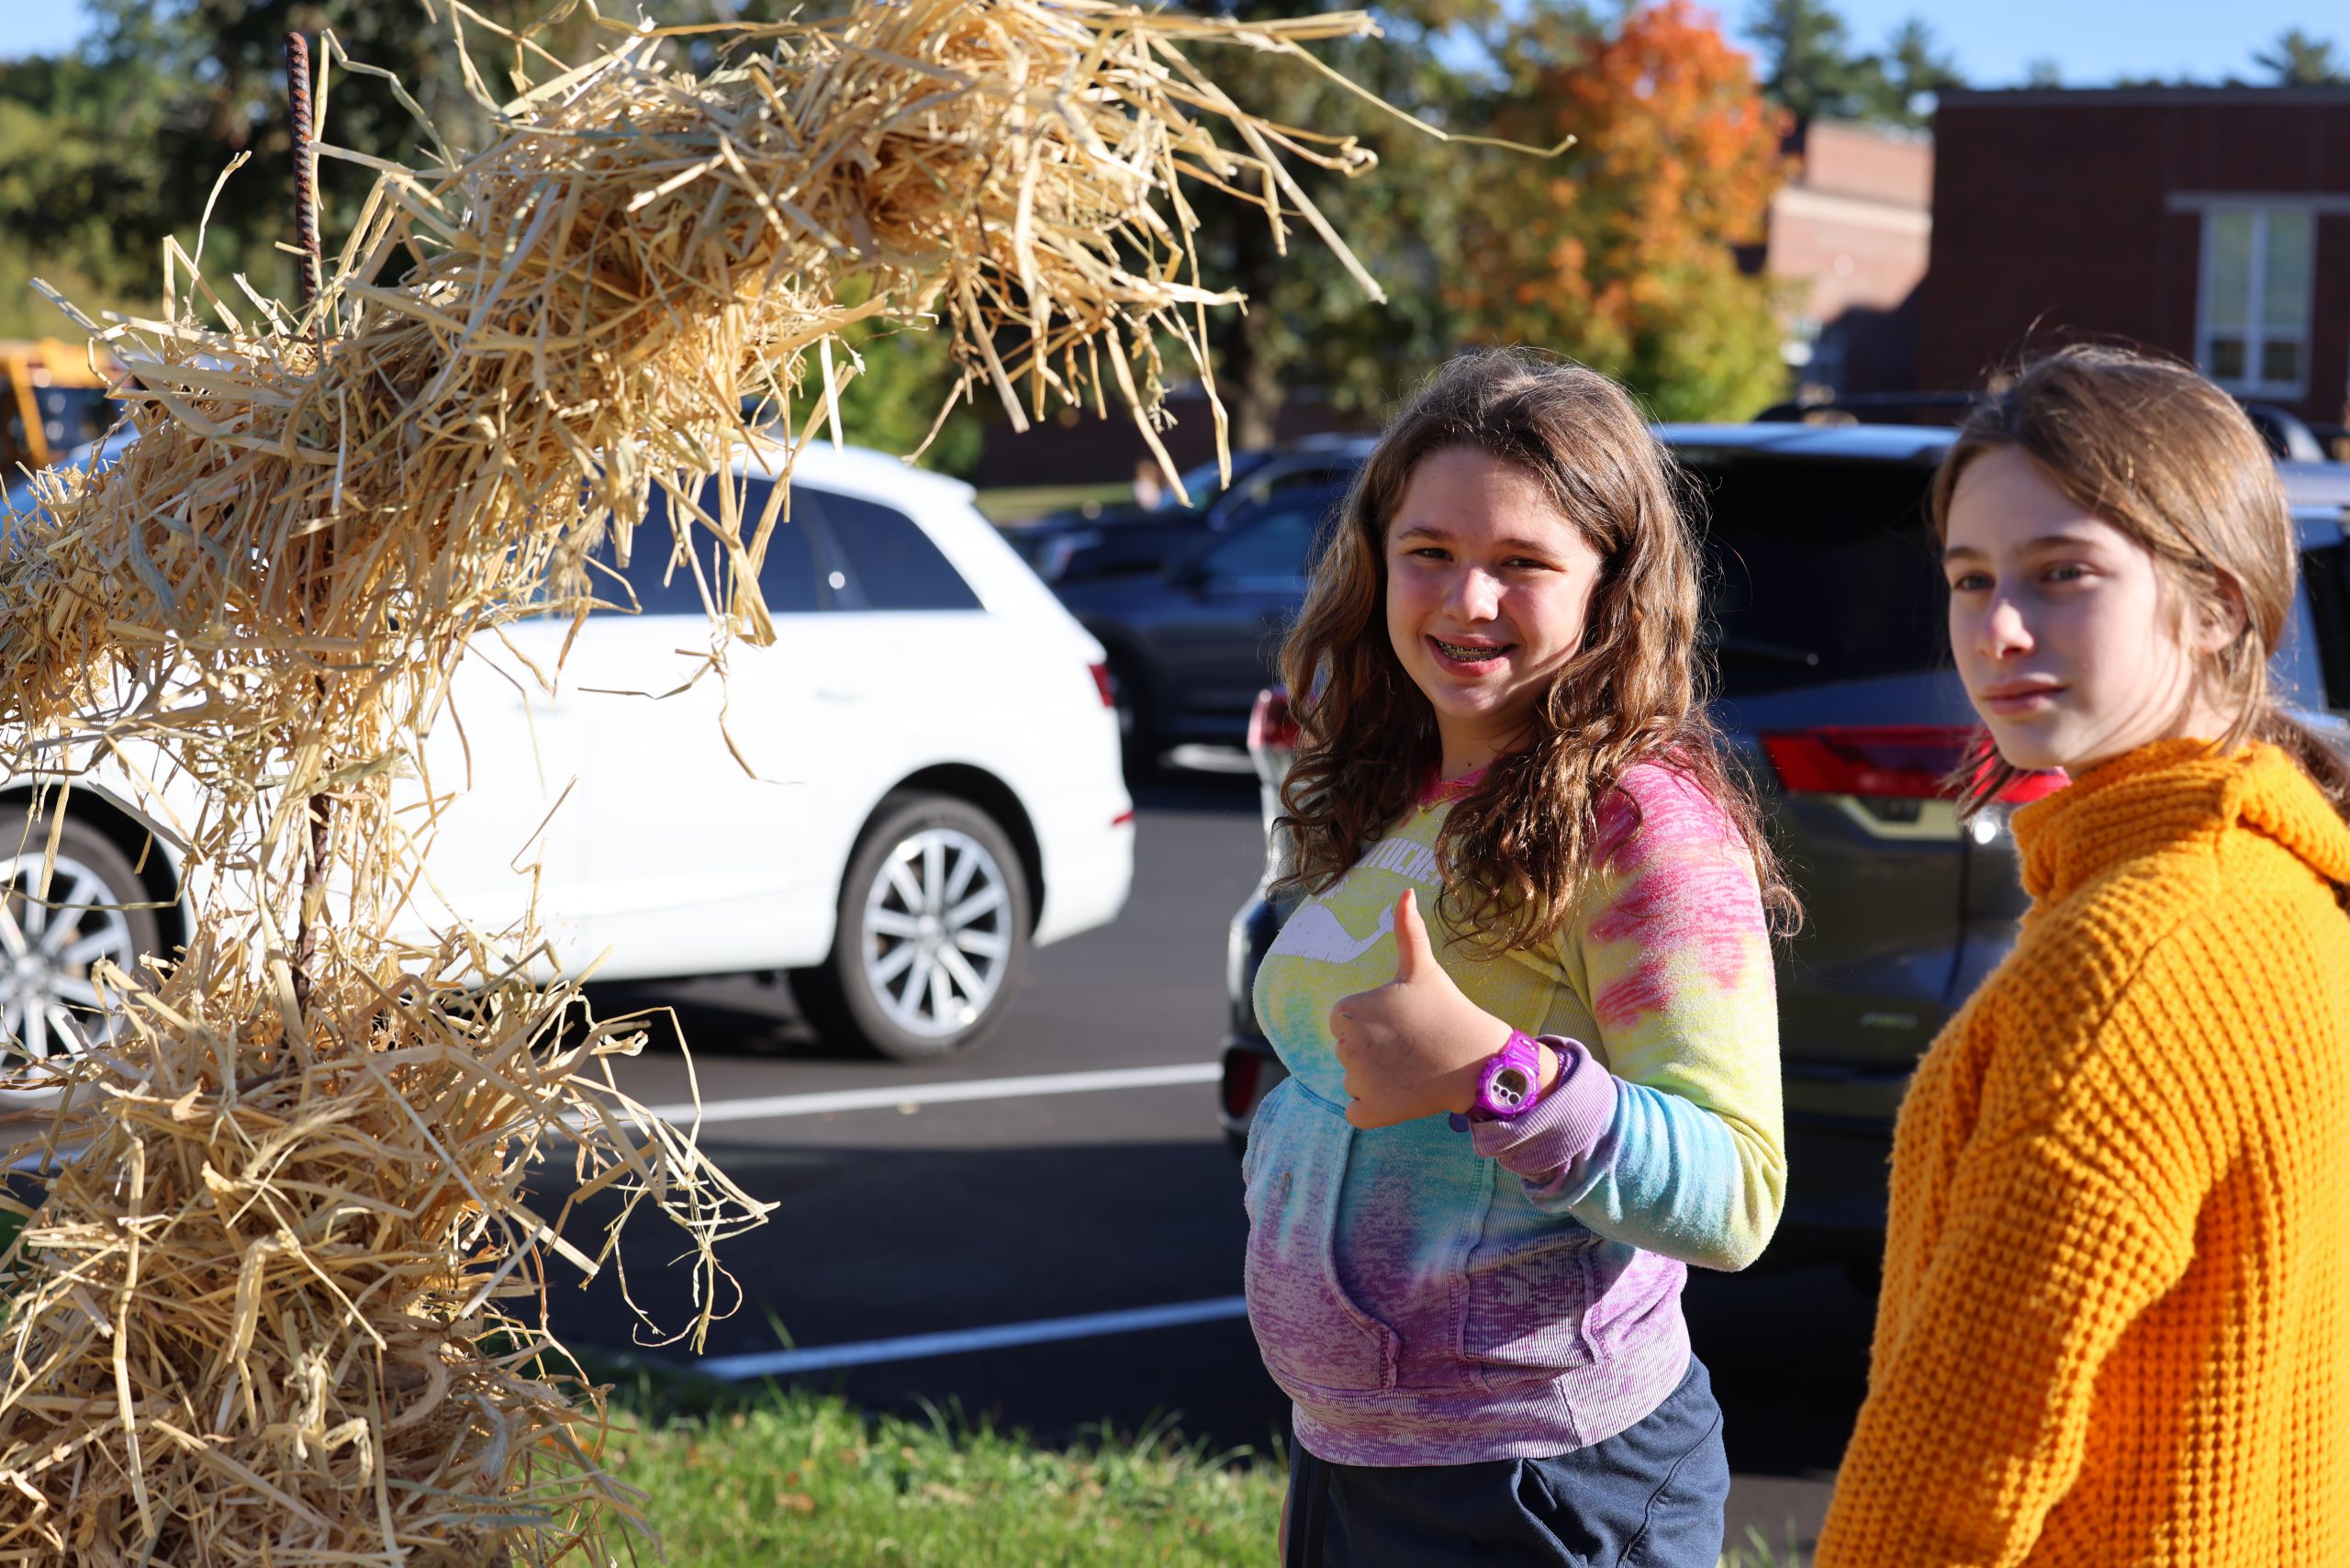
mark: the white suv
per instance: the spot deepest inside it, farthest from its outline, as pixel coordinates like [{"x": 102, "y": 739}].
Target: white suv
[{"x": 933, "y": 785}]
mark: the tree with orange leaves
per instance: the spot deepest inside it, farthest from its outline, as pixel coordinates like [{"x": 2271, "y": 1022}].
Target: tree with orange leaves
[{"x": 1620, "y": 253}]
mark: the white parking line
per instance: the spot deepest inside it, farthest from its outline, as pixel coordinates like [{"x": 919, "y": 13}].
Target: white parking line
[
  {"x": 764, "y": 1108},
  {"x": 913, "y": 1347}
]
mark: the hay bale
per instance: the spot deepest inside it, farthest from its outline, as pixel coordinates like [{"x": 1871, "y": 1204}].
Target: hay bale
[{"x": 285, "y": 1306}]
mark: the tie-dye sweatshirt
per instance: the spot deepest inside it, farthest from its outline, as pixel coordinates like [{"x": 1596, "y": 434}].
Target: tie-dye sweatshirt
[{"x": 1429, "y": 1297}]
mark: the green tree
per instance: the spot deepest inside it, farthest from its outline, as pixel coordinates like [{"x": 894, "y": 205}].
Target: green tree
[
  {"x": 893, "y": 403},
  {"x": 1912, "y": 72},
  {"x": 143, "y": 118},
  {"x": 65, "y": 183},
  {"x": 1309, "y": 327},
  {"x": 1807, "y": 65},
  {"x": 2299, "y": 59}
]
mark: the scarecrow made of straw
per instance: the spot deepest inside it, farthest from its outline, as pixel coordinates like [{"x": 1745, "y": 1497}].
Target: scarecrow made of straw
[{"x": 267, "y": 1303}]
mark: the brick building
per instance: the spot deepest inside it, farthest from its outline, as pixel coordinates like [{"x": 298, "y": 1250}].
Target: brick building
[
  {"x": 1848, "y": 238},
  {"x": 2210, "y": 222}
]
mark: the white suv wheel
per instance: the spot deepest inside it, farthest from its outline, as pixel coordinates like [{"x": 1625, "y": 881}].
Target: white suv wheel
[
  {"x": 934, "y": 913},
  {"x": 49, "y": 1003},
  {"x": 936, "y": 934}
]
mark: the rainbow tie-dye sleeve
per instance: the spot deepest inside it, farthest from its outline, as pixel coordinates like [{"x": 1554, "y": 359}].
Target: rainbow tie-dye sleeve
[{"x": 1673, "y": 953}]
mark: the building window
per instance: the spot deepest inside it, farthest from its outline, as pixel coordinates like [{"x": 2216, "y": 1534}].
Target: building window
[{"x": 2253, "y": 322}]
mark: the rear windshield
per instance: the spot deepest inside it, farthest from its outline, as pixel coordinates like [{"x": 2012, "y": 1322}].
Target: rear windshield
[{"x": 1816, "y": 571}]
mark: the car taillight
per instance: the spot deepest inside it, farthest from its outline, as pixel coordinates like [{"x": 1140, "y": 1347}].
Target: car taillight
[
  {"x": 1241, "y": 1071},
  {"x": 1902, "y": 762},
  {"x": 2033, "y": 785},
  {"x": 1101, "y": 684},
  {"x": 1270, "y": 724}
]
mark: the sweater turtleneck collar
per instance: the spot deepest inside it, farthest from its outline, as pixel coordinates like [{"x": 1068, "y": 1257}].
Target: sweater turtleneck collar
[{"x": 2167, "y": 794}]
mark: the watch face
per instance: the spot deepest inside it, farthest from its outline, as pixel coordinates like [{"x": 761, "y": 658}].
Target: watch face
[{"x": 1508, "y": 1087}]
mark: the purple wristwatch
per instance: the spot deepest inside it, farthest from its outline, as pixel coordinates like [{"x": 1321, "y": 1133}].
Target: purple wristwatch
[{"x": 1511, "y": 1084}]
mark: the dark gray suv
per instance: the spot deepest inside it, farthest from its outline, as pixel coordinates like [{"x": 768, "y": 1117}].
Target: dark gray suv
[{"x": 1836, "y": 693}]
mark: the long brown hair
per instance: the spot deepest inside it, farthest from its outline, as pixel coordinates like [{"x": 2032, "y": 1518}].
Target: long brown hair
[
  {"x": 1516, "y": 849},
  {"x": 2157, "y": 451}
]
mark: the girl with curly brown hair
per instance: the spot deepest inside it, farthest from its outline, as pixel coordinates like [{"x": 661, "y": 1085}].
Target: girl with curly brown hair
[{"x": 1526, "y": 1002}]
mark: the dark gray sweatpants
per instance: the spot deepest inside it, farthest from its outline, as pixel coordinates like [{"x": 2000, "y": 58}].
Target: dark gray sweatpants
[{"x": 1650, "y": 1496}]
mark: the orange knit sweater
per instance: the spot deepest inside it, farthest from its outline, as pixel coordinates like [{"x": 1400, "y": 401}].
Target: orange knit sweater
[{"x": 2115, "y": 1327}]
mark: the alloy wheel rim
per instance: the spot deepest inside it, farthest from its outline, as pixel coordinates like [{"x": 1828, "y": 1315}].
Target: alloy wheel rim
[
  {"x": 47, "y": 1001},
  {"x": 937, "y": 932}
]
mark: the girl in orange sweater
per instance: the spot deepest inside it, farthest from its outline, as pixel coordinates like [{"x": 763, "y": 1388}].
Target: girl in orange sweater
[{"x": 2115, "y": 1326}]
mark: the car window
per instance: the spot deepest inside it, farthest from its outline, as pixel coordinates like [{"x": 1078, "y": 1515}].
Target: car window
[
  {"x": 1205, "y": 484},
  {"x": 1279, "y": 484},
  {"x": 2322, "y": 619},
  {"x": 72, "y": 416},
  {"x": 1268, "y": 554},
  {"x": 1323, "y": 476},
  {"x": 2295, "y": 672},
  {"x": 890, "y": 563},
  {"x": 788, "y": 576},
  {"x": 1817, "y": 571}
]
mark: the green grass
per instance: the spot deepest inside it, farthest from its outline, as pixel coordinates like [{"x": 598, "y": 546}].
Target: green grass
[
  {"x": 1026, "y": 503},
  {"x": 806, "y": 1480},
  {"x": 1757, "y": 1552},
  {"x": 747, "y": 1480}
]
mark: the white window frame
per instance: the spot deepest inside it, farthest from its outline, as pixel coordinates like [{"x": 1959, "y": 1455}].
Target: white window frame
[{"x": 2256, "y": 333}]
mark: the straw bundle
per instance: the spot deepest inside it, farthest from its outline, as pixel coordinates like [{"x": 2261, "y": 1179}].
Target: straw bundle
[
  {"x": 265, "y": 1309},
  {"x": 257, "y": 1311}
]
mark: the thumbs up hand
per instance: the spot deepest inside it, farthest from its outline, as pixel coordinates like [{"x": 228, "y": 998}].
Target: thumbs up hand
[{"x": 1414, "y": 1047}]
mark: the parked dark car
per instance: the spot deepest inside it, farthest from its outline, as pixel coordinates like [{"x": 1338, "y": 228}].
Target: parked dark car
[
  {"x": 1191, "y": 640},
  {"x": 1096, "y": 537},
  {"x": 1838, "y": 695},
  {"x": 1115, "y": 541},
  {"x": 2289, "y": 437}
]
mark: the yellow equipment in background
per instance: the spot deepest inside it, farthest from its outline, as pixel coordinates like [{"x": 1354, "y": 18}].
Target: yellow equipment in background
[{"x": 50, "y": 400}]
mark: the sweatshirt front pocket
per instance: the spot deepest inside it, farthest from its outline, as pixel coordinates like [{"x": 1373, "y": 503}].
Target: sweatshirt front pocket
[
  {"x": 1314, "y": 1337},
  {"x": 1526, "y": 1299}
]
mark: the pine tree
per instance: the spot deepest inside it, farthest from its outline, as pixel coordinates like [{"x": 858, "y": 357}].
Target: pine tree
[
  {"x": 1806, "y": 63},
  {"x": 1914, "y": 72},
  {"x": 2299, "y": 60}
]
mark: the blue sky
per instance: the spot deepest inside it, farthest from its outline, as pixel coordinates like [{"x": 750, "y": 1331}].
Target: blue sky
[
  {"x": 2091, "y": 40},
  {"x": 2095, "y": 40},
  {"x": 38, "y": 27}
]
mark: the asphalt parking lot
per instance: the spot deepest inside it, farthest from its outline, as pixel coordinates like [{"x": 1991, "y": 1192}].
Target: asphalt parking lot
[{"x": 1049, "y": 1230}]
